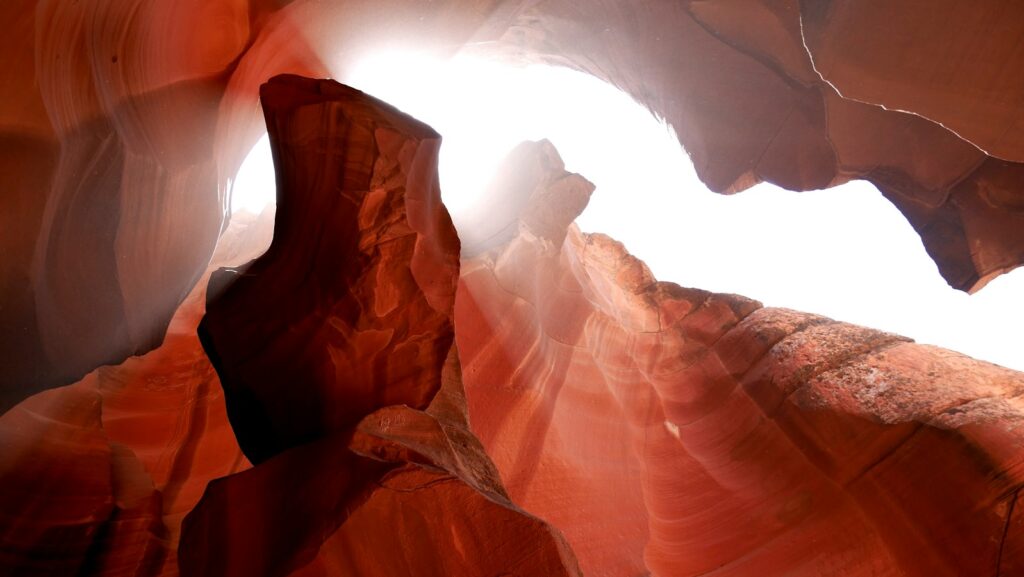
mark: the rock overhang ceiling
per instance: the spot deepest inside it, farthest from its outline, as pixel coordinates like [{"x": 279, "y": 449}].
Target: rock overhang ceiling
[
  {"x": 122, "y": 121},
  {"x": 107, "y": 100}
]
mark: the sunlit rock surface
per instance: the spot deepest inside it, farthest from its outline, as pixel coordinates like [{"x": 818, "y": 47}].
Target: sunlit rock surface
[
  {"x": 122, "y": 121},
  {"x": 678, "y": 432},
  {"x": 353, "y": 408},
  {"x": 660, "y": 430},
  {"x": 598, "y": 421},
  {"x": 350, "y": 307}
]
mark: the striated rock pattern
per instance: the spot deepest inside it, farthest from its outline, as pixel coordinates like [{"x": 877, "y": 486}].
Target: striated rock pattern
[
  {"x": 352, "y": 409},
  {"x": 350, "y": 307},
  {"x": 96, "y": 477},
  {"x": 810, "y": 94},
  {"x": 119, "y": 129},
  {"x": 956, "y": 99},
  {"x": 601, "y": 422},
  {"x": 673, "y": 431},
  {"x": 73, "y": 502},
  {"x": 121, "y": 123},
  {"x": 443, "y": 510}
]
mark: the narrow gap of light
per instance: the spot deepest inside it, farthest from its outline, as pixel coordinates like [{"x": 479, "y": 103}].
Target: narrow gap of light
[
  {"x": 254, "y": 187},
  {"x": 846, "y": 252}
]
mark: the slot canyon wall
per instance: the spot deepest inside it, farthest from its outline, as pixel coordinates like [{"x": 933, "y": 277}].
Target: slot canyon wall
[{"x": 359, "y": 400}]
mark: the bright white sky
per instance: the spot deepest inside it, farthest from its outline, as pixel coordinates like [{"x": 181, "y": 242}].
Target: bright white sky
[{"x": 846, "y": 252}]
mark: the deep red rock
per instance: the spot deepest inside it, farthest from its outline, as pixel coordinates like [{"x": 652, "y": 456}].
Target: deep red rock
[
  {"x": 120, "y": 126},
  {"x": 707, "y": 432},
  {"x": 443, "y": 511},
  {"x": 351, "y": 310},
  {"x": 350, "y": 306},
  {"x": 943, "y": 70},
  {"x": 663, "y": 430},
  {"x": 103, "y": 102},
  {"x": 98, "y": 475}
]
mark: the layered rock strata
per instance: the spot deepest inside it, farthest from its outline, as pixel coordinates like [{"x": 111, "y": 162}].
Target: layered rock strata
[
  {"x": 121, "y": 123},
  {"x": 662, "y": 430},
  {"x": 336, "y": 353},
  {"x": 96, "y": 477},
  {"x": 672, "y": 431}
]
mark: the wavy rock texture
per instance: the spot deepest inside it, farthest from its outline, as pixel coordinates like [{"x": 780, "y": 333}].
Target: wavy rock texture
[
  {"x": 950, "y": 77},
  {"x": 122, "y": 121},
  {"x": 662, "y": 430},
  {"x": 678, "y": 432},
  {"x": 97, "y": 476},
  {"x": 116, "y": 157},
  {"x": 443, "y": 510},
  {"x": 350, "y": 307},
  {"x": 353, "y": 406}
]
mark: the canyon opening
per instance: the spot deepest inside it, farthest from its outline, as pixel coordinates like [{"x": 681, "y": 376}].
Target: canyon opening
[
  {"x": 806, "y": 252},
  {"x": 612, "y": 288}
]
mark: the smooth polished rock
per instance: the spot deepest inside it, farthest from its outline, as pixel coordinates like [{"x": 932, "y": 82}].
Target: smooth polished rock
[
  {"x": 680, "y": 432},
  {"x": 122, "y": 124}
]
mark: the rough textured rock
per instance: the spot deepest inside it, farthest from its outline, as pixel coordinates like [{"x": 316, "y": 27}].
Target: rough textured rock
[
  {"x": 121, "y": 124},
  {"x": 113, "y": 463},
  {"x": 662, "y": 430},
  {"x": 72, "y": 501},
  {"x": 350, "y": 309},
  {"x": 443, "y": 510},
  {"x": 677, "y": 432},
  {"x": 950, "y": 91},
  {"x": 944, "y": 70}
]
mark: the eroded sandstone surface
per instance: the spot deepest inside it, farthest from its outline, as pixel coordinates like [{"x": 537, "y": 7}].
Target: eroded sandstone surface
[
  {"x": 122, "y": 121},
  {"x": 352, "y": 406},
  {"x": 362, "y": 407},
  {"x": 681, "y": 432},
  {"x": 96, "y": 477}
]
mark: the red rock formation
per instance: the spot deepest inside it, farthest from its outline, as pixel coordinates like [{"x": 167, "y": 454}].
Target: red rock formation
[
  {"x": 103, "y": 102},
  {"x": 950, "y": 78},
  {"x": 350, "y": 310},
  {"x": 359, "y": 199},
  {"x": 443, "y": 510},
  {"x": 663, "y": 430},
  {"x": 96, "y": 477},
  {"x": 72, "y": 501},
  {"x": 119, "y": 128},
  {"x": 677, "y": 432}
]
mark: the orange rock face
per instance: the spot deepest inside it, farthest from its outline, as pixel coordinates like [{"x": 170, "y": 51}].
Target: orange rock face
[
  {"x": 97, "y": 476},
  {"x": 547, "y": 409},
  {"x": 101, "y": 103},
  {"x": 678, "y": 432}
]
